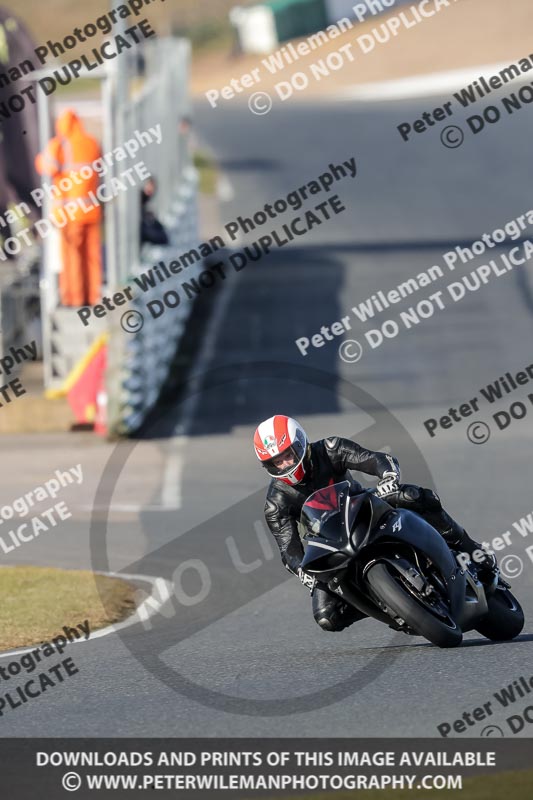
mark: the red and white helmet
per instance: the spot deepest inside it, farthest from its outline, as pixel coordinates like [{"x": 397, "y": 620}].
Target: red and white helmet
[{"x": 281, "y": 446}]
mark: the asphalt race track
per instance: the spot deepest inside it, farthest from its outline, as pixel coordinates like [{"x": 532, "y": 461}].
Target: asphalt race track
[{"x": 249, "y": 660}]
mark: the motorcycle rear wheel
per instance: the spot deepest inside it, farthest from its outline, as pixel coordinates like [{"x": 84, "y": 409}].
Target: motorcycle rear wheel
[
  {"x": 505, "y": 618},
  {"x": 387, "y": 585}
]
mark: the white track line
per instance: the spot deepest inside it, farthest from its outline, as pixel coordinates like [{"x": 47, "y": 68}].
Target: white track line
[
  {"x": 134, "y": 508},
  {"x": 171, "y": 497},
  {"x": 225, "y": 190},
  {"x": 171, "y": 491},
  {"x": 165, "y": 589},
  {"x": 85, "y": 108},
  {"x": 435, "y": 83}
]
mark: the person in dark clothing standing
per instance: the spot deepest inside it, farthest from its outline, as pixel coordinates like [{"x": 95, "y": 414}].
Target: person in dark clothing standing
[{"x": 152, "y": 231}]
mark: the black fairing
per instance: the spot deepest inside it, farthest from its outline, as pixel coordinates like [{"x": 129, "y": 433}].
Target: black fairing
[
  {"x": 336, "y": 522},
  {"x": 339, "y": 526},
  {"x": 326, "y": 523},
  {"x": 408, "y": 527}
]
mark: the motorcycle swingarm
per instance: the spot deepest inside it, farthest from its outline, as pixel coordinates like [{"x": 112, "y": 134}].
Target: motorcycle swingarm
[
  {"x": 412, "y": 530},
  {"x": 344, "y": 589},
  {"x": 474, "y": 607}
]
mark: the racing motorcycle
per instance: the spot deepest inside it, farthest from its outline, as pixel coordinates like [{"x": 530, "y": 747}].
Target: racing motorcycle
[{"x": 394, "y": 566}]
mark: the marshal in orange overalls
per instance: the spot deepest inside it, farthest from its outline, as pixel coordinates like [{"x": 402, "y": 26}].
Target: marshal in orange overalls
[{"x": 80, "y": 279}]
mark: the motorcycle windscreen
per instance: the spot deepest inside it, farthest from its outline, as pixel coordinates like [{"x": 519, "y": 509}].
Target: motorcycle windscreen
[{"x": 320, "y": 512}]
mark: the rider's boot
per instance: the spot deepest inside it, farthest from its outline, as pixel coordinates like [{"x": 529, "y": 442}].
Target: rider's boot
[{"x": 458, "y": 539}]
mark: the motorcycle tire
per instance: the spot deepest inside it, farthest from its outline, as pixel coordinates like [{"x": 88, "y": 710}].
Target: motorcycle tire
[
  {"x": 505, "y": 618},
  {"x": 395, "y": 596}
]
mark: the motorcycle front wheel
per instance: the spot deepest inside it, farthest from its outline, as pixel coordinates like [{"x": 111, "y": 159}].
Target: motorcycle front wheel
[
  {"x": 438, "y": 628},
  {"x": 505, "y": 618}
]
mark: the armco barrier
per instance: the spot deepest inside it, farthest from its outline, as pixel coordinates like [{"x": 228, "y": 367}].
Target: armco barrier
[
  {"x": 139, "y": 362},
  {"x": 336, "y": 9}
]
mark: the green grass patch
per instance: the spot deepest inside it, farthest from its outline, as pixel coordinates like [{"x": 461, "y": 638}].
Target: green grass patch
[
  {"x": 207, "y": 172},
  {"x": 515, "y": 785},
  {"x": 209, "y": 34},
  {"x": 81, "y": 87},
  {"x": 36, "y": 602}
]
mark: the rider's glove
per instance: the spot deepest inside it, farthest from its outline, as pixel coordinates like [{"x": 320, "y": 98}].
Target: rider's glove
[
  {"x": 388, "y": 484},
  {"x": 306, "y": 579}
]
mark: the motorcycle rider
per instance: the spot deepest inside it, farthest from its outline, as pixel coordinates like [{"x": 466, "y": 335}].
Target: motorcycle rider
[{"x": 299, "y": 467}]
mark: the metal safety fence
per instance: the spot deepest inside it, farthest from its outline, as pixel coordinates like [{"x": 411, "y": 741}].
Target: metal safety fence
[{"x": 139, "y": 362}]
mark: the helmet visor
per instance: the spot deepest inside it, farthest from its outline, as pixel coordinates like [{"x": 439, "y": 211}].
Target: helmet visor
[{"x": 286, "y": 462}]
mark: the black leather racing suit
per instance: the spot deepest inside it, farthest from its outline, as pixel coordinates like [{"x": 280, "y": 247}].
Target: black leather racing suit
[{"x": 330, "y": 461}]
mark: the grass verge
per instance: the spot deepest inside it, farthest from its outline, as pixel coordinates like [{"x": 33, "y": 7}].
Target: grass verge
[
  {"x": 207, "y": 172},
  {"x": 515, "y": 785},
  {"x": 36, "y": 602}
]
